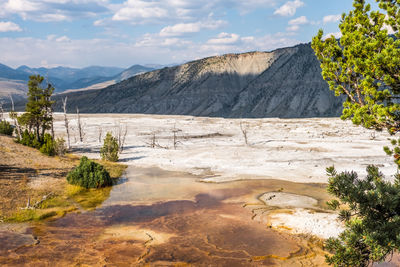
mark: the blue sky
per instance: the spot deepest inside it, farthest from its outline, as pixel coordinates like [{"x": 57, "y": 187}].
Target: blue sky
[{"x": 81, "y": 33}]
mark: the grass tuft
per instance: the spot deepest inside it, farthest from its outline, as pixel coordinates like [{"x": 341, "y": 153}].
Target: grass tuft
[
  {"x": 115, "y": 169},
  {"x": 88, "y": 199}
]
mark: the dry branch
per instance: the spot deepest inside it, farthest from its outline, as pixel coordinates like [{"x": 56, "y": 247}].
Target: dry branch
[
  {"x": 80, "y": 126},
  {"x": 13, "y": 115},
  {"x": 243, "y": 128},
  {"x": 66, "y": 122}
]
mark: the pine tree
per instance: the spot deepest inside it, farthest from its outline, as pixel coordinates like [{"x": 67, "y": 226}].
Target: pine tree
[
  {"x": 364, "y": 65},
  {"x": 38, "y": 107},
  {"x": 110, "y": 149}
]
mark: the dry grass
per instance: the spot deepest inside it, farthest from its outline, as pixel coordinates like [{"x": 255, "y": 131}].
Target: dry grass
[{"x": 25, "y": 174}]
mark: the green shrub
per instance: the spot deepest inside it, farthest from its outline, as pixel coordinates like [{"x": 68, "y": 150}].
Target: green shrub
[
  {"x": 59, "y": 147},
  {"x": 110, "y": 148},
  {"x": 89, "y": 174},
  {"x": 48, "y": 145},
  {"x": 6, "y": 128},
  {"x": 29, "y": 139}
]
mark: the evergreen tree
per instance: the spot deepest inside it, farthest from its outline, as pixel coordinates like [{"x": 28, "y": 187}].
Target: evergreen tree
[
  {"x": 364, "y": 65},
  {"x": 110, "y": 149},
  {"x": 38, "y": 108},
  {"x": 89, "y": 174},
  {"x": 6, "y": 128}
]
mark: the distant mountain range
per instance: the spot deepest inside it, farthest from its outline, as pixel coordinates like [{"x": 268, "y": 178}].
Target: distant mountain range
[
  {"x": 14, "y": 81},
  {"x": 283, "y": 83}
]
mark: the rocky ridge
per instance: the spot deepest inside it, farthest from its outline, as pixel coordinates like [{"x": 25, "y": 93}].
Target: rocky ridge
[{"x": 283, "y": 83}]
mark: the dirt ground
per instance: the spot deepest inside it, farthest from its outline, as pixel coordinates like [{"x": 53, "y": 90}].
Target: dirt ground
[{"x": 25, "y": 174}]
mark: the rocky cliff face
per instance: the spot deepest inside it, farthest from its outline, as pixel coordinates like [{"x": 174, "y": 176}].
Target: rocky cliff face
[{"x": 283, "y": 83}]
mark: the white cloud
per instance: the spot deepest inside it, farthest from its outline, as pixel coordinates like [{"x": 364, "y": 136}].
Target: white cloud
[
  {"x": 54, "y": 17},
  {"x": 150, "y": 48},
  {"x": 293, "y": 28},
  {"x": 62, "y": 39},
  {"x": 233, "y": 43},
  {"x": 246, "y": 6},
  {"x": 8, "y": 26},
  {"x": 336, "y": 35},
  {"x": 247, "y": 39},
  {"x": 331, "y": 18},
  {"x": 295, "y": 23},
  {"x": 156, "y": 41},
  {"x": 180, "y": 29},
  {"x": 178, "y": 11},
  {"x": 299, "y": 21},
  {"x": 53, "y": 10},
  {"x": 224, "y": 38},
  {"x": 388, "y": 27},
  {"x": 289, "y": 8},
  {"x": 137, "y": 9},
  {"x": 21, "y": 6},
  {"x": 184, "y": 28}
]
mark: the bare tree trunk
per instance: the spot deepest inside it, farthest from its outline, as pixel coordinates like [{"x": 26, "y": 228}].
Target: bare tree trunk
[
  {"x": 153, "y": 140},
  {"x": 174, "y": 139},
  {"x": 122, "y": 131},
  {"x": 66, "y": 121},
  {"x": 175, "y": 131},
  {"x": 1, "y": 111},
  {"x": 79, "y": 125},
  {"x": 12, "y": 103},
  {"x": 100, "y": 133},
  {"x": 52, "y": 126},
  {"x": 14, "y": 117},
  {"x": 243, "y": 128},
  {"x": 153, "y": 143},
  {"x": 37, "y": 131}
]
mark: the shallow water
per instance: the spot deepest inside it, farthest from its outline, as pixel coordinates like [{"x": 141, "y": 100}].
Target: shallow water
[{"x": 160, "y": 217}]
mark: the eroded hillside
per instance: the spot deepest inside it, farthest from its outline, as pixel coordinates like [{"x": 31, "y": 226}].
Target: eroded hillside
[{"x": 283, "y": 83}]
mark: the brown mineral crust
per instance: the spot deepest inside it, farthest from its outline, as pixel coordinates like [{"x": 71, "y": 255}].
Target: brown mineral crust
[{"x": 200, "y": 236}]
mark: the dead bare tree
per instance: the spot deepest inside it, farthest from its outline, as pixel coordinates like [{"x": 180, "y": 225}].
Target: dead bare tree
[
  {"x": 12, "y": 102},
  {"x": 80, "y": 127},
  {"x": 153, "y": 142},
  {"x": 14, "y": 116},
  {"x": 1, "y": 111},
  {"x": 66, "y": 122},
  {"x": 52, "y": 123},
  {"x": 122, "y": 131},
  {"x": 244, "y": 128},
  {"x": 100, "y": 133},
  {"x": 175, "y": 131},
  {"x": 38, "y": 203}
]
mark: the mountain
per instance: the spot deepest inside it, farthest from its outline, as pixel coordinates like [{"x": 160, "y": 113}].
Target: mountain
[
  {"x": 283, "y": 83},
  {"x": 16, "y": 88},
  {"x": 14, "y": 81},
  {"x": 66, "y": 73},
  {"x": 9, "y": 73},
  {"x": 64, "y": 78},
  {"x": 132, "y": 71}
]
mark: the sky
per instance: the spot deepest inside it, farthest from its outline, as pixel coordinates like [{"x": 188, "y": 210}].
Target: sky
[{"x": 121, "y": 33}]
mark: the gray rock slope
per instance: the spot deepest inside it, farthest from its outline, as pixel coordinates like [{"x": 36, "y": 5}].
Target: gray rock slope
[{"x": 284, "y": 83}]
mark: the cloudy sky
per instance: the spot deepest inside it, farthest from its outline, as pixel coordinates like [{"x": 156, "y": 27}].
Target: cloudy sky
[{"x": 121, "y": 33}]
